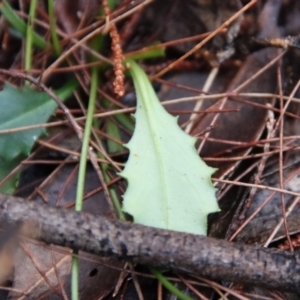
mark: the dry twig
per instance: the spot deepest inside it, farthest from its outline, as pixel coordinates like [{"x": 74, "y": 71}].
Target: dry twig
[{"x": 209, "y": 257}]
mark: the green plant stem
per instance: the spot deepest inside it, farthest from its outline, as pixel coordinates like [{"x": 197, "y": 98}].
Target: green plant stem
[
  {"x": 75, "y": 277},
  {"x": 117, "y": 204},
  {"x": 126, "y": 121},
  {"x": 168, "y": 285},
  {"x": 105, "y": 171},
  {"x": 82, "y": 172},
  {"x": 86, "y": 140},
  {"x": 52, "y": 21},
  {"x": 112, "y": 192},
  {"x": 113, "y": 130},
  {"x": 82, "y": 164},
  {"x": 148, "y": 54},
  {"x": 29, "y": 35}
]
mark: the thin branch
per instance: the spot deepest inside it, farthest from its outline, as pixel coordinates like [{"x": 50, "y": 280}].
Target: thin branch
[{"x": 200, "y": 255}]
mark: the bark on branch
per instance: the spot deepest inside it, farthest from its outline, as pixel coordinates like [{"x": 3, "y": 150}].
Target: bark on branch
[{"x": 200, "y": 255}]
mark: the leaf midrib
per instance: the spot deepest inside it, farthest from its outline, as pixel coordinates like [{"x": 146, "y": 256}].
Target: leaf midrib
[{"x": 145, "y": 91}]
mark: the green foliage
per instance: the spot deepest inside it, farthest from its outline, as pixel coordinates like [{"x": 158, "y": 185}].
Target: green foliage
[
  {"x": 168, "y": 285},
  {"x": 5, "y": 168},
  {"x": 19, "y": 24},
  {"x": 52, "y": 23},
  {"x": 113, "y": 130},
  {"x": 19, "y": 108},
  {"x": 169, "y": 186},
  {"x": 22, "y": 108}
]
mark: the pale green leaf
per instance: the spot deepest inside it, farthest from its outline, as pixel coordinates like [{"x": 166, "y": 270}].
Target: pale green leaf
[{"x": 169, "y": 186}]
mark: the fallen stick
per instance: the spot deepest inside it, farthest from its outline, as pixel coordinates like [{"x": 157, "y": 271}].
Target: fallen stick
[{"x": 216, "y": 259}]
